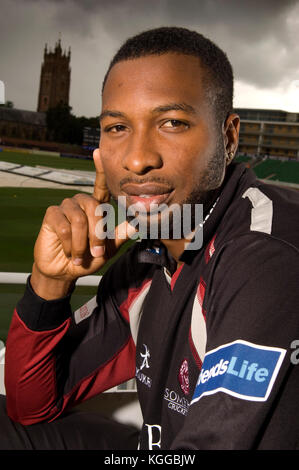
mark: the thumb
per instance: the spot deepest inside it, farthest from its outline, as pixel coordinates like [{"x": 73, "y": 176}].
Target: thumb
[{"x": 100, "y": 191}]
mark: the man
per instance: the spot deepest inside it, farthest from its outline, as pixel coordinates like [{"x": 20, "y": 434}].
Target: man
[{"x": 207, "y": 331}]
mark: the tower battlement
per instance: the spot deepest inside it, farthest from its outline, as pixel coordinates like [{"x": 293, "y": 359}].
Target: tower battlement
[{"x": 55, "y": 78}]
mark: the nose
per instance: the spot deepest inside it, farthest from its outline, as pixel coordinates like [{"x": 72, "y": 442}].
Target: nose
[{"x": 141, "y": 155}]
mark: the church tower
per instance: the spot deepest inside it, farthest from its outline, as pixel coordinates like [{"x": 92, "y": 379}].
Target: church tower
[{"x": 55, "y": 78}]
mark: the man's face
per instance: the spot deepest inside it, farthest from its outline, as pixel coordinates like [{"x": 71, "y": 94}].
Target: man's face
[{"x": 159, "y": 142}]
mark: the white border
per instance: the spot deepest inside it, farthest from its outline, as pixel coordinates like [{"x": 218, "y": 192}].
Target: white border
[{"x": 242, "y": 396}]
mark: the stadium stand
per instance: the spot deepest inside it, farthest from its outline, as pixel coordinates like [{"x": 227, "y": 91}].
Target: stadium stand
[
  {"x": 273, "y": 169},
  {"x": 267, "y": 168},
  {"x": 288, "y": 171}
]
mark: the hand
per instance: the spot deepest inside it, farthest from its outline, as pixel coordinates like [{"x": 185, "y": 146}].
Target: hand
[{"x": 67, "y": 246}]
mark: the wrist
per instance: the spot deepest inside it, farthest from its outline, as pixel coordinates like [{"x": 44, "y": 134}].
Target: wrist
[{"x": 49, "y": 288}]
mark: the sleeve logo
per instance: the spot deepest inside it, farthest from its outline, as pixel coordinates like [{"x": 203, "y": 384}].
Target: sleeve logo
[{"x": 241, "y": 369}]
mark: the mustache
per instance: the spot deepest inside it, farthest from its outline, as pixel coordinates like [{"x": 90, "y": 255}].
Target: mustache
[{"x": 148, "y": 179}]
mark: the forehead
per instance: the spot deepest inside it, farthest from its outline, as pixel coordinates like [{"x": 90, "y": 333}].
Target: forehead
[{"x": 154, "y": 79}]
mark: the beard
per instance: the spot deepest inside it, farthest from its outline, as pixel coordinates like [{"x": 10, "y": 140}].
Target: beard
[
  {"x": 176, "y": 220},
  {"x": 210, "y": 181}
]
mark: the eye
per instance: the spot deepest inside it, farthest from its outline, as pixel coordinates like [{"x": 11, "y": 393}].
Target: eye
[
  {"x": 115, "y": 129},
  {"x": 175, "y": 124}
]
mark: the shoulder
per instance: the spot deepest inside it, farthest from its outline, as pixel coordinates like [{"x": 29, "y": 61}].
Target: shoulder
[
  {"x": 279, "y": 207},
  {"x": 253, "y": 286},
  {"x": 258, "y": 251},
  {"x": 259, "y": 208}
]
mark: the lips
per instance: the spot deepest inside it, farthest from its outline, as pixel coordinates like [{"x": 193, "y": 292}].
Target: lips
[{"x": 145, "y": 194}]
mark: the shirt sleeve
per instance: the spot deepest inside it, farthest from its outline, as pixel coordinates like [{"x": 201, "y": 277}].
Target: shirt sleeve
[
  {"x": 245, "y": 396},
  {"x": 55, "y": 360}
]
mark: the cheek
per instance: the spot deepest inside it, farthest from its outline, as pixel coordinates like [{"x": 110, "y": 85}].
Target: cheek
[
  {"x": 111, "y": 154},
  {"x": 110, "y": 167},
  {"x": 106, "y": 151},
  {"x": 188, "y": 165},
  {"x": 192, "y": 156}
]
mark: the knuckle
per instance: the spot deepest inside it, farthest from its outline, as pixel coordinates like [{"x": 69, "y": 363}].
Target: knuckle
[
  {"x": 51, "y": 214},
  {"x": 64, "y": 231},
  {"x": 79, "y": 197},
  {"x": 51, "y": 210},
  {"x": 86, "y": 205},
  {"x": 66, "y": 201},
  {"x": 80, "y": 219}
]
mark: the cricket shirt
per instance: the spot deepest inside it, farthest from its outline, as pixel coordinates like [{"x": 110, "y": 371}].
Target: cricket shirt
[{"x": 210, "y": 342}]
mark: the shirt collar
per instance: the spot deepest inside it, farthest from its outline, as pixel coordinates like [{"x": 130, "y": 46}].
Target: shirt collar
[{"x": 154, "y": 252}]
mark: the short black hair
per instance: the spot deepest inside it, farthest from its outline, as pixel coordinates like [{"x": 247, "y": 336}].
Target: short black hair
[{"x": 158, "y": 41}]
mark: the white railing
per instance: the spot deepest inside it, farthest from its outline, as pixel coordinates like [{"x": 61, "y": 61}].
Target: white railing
[
  {"x": 21, "y": 278},
  {"x": 2, "y": 359}
]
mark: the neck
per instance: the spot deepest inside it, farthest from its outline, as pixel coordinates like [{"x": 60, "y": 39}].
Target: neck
[{"x": 176, "y": 247}]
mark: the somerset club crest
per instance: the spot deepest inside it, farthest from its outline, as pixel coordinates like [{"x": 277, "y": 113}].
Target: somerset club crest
[{"x": 184, "y": 377}]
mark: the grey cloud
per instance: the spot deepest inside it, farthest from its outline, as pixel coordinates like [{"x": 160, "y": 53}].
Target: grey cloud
[
  {"x": 260, "y": 38},
  {"x": 253, "y": 33}
]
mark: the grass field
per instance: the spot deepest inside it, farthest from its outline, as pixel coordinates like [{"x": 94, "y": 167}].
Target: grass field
[
  {"x": 51, "y": 161},
  {"x": 21, "y": 213}
]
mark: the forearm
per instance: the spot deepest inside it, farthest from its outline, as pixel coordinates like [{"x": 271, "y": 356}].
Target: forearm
[
  {"x": 30, "y": 377},
  {"x": 49, "y": 288},
  {"x": 52, "y": 361}
]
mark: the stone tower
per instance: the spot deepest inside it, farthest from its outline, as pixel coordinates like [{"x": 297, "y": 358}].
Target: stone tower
[{"x": 55, "y": 78}]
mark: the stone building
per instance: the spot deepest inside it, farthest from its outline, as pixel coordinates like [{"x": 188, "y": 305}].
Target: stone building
[
  {"x": 22, "y": 125},
  {"x": 29, "y": 128},
  {"x": 55, "y": 78}
]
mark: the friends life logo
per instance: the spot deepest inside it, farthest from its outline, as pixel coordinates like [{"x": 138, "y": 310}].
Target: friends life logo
[
  {"x": 2, "y": 92},
  {"x": 241, "y": 369}
]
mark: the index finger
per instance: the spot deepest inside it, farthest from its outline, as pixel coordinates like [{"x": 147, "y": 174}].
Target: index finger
[{"x": 100, "y": 191}]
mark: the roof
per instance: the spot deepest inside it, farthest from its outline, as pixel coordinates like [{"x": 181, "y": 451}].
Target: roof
[{"x": 20, "y": 115}]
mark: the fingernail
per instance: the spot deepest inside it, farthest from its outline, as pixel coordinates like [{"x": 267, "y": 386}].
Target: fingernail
[
  {"x": 97, "y": 251},
  {"x": 77, "y": 261}
]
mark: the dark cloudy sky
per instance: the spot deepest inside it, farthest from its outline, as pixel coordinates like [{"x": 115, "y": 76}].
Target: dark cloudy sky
[{"x": 261, "y": 38}]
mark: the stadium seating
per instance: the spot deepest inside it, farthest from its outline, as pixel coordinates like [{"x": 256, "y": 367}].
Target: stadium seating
[{"x": 271, "y": 169}]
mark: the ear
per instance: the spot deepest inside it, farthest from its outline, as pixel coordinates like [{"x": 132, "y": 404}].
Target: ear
[{"x": 231, "y": 129}]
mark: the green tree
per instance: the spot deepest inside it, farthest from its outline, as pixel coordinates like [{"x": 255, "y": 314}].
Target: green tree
[
  {"x": 63, "y": 126},
  {"x": 8, "y": 104}
]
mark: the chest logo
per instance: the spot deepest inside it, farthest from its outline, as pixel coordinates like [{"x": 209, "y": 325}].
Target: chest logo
[
  {"x": 141, "y": 376},
  {"x": 184, "y": 377},
  {"x": 145, "y": 358}
]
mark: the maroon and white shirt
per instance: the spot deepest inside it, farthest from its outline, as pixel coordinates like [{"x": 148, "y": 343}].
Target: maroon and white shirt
[{"x": 210, "y": 343}]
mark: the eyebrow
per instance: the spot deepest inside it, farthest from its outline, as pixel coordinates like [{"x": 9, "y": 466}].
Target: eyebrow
[
  {"x": 187, "y": 108},
  {"x": 108, "y": 113}
]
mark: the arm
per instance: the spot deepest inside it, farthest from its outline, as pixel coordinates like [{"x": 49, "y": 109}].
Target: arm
[
  {"x": 246, "y": 399},
  {"x": 55, "y": 360},
  {"x": 43, "y": 342}
]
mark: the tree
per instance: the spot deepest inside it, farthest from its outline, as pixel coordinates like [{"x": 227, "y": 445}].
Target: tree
[
  {"x": 8, "y": 104},
  {"x": 63, "y": 126}
]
